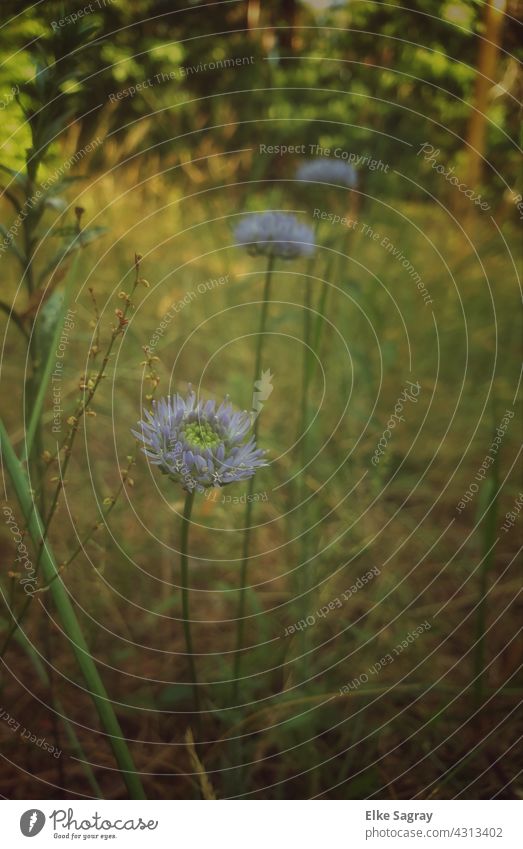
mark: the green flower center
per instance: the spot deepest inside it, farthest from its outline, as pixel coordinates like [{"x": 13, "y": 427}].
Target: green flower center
[{"x": 201, "y": 434}]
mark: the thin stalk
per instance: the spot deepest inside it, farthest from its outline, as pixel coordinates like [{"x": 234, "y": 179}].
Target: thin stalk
[
  {"x": 83, "y": 405},
  {"x": 240, "y": 628},
  {"x": 184, "y": 568},
  {"x": 69, "y": 621}
]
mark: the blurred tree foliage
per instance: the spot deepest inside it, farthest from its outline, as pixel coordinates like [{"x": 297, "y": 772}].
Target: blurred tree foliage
[{"x": 368, "y": 77}]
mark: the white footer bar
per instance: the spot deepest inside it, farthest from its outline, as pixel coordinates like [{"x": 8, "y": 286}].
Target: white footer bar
[{"x": 262, "y": 824}]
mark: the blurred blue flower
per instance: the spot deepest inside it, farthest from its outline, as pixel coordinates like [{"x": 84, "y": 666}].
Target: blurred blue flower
[
  {"x": 323, "y": 170},
  {"x": 197, "y": 444},
  {"x": 275, "y": 234}
]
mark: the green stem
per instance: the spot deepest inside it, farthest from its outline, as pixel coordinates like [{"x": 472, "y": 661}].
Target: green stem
[
  {"x": 184, "y": 566},
  {"x": 240, "y": 628},
  {"x": 70, "y": 624}
]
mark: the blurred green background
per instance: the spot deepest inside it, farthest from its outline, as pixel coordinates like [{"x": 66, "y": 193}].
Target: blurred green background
[{"x": 168, "y": 172}]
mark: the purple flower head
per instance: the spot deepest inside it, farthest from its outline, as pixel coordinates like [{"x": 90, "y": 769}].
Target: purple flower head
[
  {"x": 275, "y": 234},
  {"x": 323, "y": 170},
  {"x": 197, "y": 444}
]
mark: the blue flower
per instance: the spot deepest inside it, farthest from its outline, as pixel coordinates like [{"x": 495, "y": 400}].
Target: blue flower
[
  {"x": 197, "y": 444},
  {"x": 324, "y": 170},
  {"x": 275, "y": 234}
]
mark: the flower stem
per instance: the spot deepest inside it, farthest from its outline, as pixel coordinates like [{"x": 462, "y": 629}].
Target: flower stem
[
  {"x": 240, "y": 619},
  {"x": 184, "y": 566}
]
